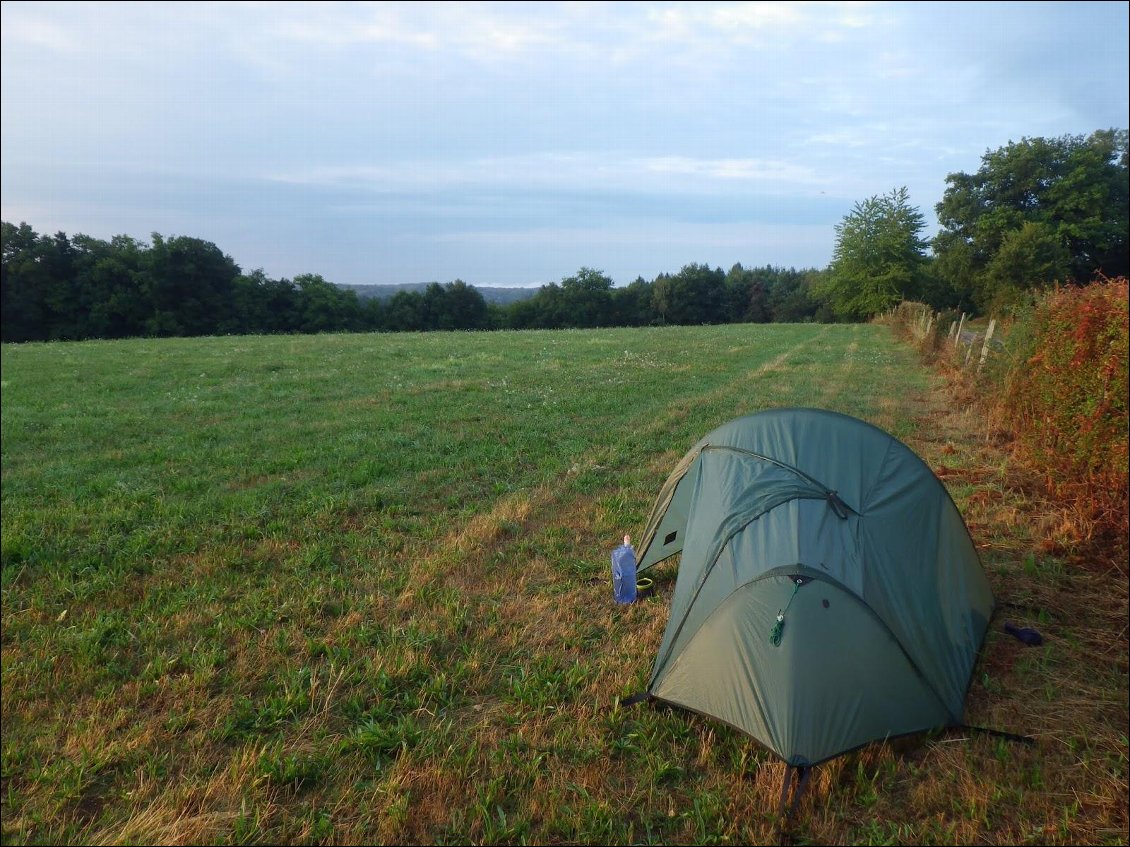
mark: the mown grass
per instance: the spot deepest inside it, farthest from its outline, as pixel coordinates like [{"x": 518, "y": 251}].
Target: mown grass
[{"x": 354, "y": 589}]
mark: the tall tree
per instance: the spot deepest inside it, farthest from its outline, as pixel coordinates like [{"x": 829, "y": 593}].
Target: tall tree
[
  {"x": 695, "y": 295},
  {"x": 1038, "y": 211},
  {"x": 548, "y": 309},
  {"x": 588, "y": 298},
  {"x": 58, "y": 258},
  {"x": 190, "y": 282},
  {"x": 879, "y": 258},
  {"x": 466, "y": 306}
]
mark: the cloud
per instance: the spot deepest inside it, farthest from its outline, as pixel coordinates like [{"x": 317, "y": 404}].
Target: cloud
[
  {"x": 566, "y": 171},
  {"x": 483, "y": 31},
  {"x": 329, "y": 24},
  {"x": 743, "y": 18},
  {"x": 41, "y": 34},
  {"x": 730, "y": 170},
  {"x": 764, "y": 24}
]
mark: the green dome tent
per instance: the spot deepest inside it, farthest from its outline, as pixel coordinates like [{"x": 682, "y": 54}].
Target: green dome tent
[{"x": 828, "y": 595}]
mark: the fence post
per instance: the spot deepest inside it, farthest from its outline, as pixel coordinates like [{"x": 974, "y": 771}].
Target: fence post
[
  {"x": 985, "y": 346},
  {"x": 960, "y": 327}
]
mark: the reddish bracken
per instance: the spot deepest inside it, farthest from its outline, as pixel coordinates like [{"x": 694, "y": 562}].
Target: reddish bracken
[{"x": 1067, "y": 404}]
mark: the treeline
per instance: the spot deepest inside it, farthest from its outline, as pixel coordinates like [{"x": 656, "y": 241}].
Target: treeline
[
  {"x": 59, "y": 287},
  {"x": 696, "y": 294},
  {"x": 1038, "y": 213}
]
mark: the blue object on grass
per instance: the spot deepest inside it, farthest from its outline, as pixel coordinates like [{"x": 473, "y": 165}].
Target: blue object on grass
[
  {"x": 1026, "y": 634},
  {"x": 624, "y": 572}
]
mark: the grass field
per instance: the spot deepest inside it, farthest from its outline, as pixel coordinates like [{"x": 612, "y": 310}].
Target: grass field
[{"x": 355, "y": 589}]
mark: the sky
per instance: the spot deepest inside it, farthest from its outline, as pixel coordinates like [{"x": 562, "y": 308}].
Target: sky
[{"x": 515, "y": 143}]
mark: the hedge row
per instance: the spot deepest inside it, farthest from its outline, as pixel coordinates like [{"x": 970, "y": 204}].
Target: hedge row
[{"x": 1064, "y": 396}]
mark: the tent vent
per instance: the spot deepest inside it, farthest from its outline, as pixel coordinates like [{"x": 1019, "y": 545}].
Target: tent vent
[{"x": 669, "y": 537}]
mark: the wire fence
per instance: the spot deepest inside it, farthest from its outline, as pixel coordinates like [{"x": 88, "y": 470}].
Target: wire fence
[{"x": 971, "y": 347}]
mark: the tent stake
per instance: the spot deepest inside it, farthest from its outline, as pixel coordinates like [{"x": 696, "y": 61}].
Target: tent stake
[{"x": 802, "y": 773}]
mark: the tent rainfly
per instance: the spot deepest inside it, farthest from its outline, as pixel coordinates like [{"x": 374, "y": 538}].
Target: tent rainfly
[{"x": 829, "y": 594}]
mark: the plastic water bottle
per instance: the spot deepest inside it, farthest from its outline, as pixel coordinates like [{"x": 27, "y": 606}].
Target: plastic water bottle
[{"x": 624, "y": 572}]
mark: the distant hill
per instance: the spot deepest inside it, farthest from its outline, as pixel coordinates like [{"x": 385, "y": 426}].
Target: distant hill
[{"x": 492, "y": 294}]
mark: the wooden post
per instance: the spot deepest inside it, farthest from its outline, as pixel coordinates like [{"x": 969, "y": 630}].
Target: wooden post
[
  {"x": 960, "y": 327},
  {"x": 985, "y": 346}
]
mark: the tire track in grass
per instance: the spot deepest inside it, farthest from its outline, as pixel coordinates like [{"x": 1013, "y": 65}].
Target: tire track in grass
[
  {"x": 526, "y": 509},
  {"x": 832, "y": 388},
  {"x": 849, "y": 386}
]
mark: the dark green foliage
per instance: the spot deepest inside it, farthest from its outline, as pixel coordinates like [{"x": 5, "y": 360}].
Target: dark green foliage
[
  {"x": 464, "y": 307},
  {"x": 747, "y": 295},
  {"x": 189, "y": 285},
  {"x": 324, "y": 306},
  {"x": 455, "y": 305},
  {"x": 82, "y": 287},
  {"x": 587, "y": 298},
  {"x": 32, "y": 284},
  {"x": 1039, "y": 211},
  {"x": 632, "y": 306},
  {"x": 695, "y": 295}
]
